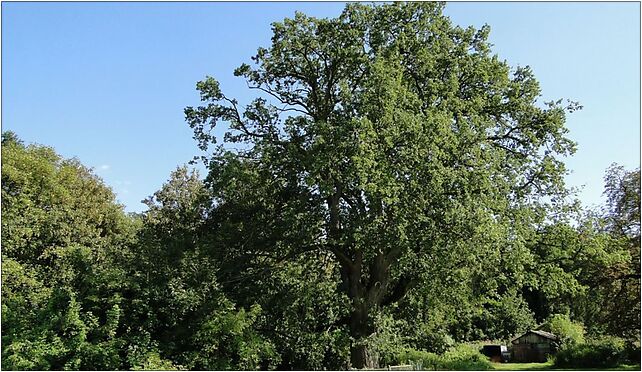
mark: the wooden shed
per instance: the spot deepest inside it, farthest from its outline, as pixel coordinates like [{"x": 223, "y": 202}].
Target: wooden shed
[{"x": 534, "y": 346}]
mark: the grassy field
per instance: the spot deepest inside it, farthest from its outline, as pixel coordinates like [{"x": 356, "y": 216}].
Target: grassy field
[
  {"x": 523, "y": 366},
  {"x": 548, "y": 366}
]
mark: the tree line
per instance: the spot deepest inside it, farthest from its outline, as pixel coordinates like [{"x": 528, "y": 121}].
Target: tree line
[{"x": 392, "y": 185}]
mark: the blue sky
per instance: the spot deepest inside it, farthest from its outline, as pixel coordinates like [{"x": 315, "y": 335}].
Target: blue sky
[{"x": 108, "y": 82}]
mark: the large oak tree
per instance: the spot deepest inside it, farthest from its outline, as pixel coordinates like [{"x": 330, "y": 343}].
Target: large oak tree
[{"x": 387, "y": 140}]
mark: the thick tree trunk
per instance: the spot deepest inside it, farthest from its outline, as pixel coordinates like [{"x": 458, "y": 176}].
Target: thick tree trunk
[
  {"x": 365, "y": 293},
  {"x": 361, "y": 357},
  {"x": 358, "y": 356},
  {"x": 360, "y": 328}
]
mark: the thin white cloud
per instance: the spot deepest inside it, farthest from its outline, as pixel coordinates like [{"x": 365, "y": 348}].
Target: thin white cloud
[{"x": 104, "y": 167}]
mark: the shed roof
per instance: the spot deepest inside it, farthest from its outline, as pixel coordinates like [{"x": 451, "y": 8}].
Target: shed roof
[{"x": 539, "y": 333}]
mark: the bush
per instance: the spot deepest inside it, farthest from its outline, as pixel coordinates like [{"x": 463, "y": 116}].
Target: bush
[
  {"x": 460, "y": 358},
  {"x": 568, "y": 331},
  {"x": 596, "y": 353},
  {"x": 387, "y": 341},
  {"x": 420, "y": 359},
  {"x": 632, "y": 352},
  {"x": 465, "y": 358}
]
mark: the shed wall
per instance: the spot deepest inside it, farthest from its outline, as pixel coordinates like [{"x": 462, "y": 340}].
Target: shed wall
[{"x": 532, "y": 348}]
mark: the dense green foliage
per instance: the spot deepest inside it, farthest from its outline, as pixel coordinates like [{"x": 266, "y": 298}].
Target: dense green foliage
[
  {"x": 606, "y": 352},
  {"x": 62, "y": 274},
  {"x": 461, "y": 358},
  {"x": 87, "y": 287},
  {"x": 569, "y": 332},
  {"x": 612, "y": 305},
  {"x": 182, "y": 306},
  {"x": 372, "y": 135},
  {"x": 393, "y": 194}
]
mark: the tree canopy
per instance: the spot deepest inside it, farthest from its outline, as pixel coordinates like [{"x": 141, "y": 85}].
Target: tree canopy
[
  {"x": 391, "y": 190},
  {"x": 62, "y": 236},
  {"x": 391, "y": 140}
]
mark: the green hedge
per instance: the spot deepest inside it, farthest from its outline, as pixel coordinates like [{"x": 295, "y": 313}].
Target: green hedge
[
  {"x": 596, "y": 353},
  {"x": 420, "y": 359},
  {"x": 459, "y": 358}
]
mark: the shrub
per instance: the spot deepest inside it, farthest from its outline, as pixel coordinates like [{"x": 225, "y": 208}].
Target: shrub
[
  {"x": 465, "y": 358},
  {"x": 460, "y": 358},
  {"x": 595, "y": 353},
  {"x": 420, "y": 359},
  {"x": 432, "y": 336},
  {"x": 387, "y": 341},
  {"x": 632, "y": 352},
  {"x": 568, "y": 331}
]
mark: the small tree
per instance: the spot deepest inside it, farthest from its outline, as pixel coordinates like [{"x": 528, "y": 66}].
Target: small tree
[
  {"x": 618, "y": 287},
  {"x": 180, "y": 302}
]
